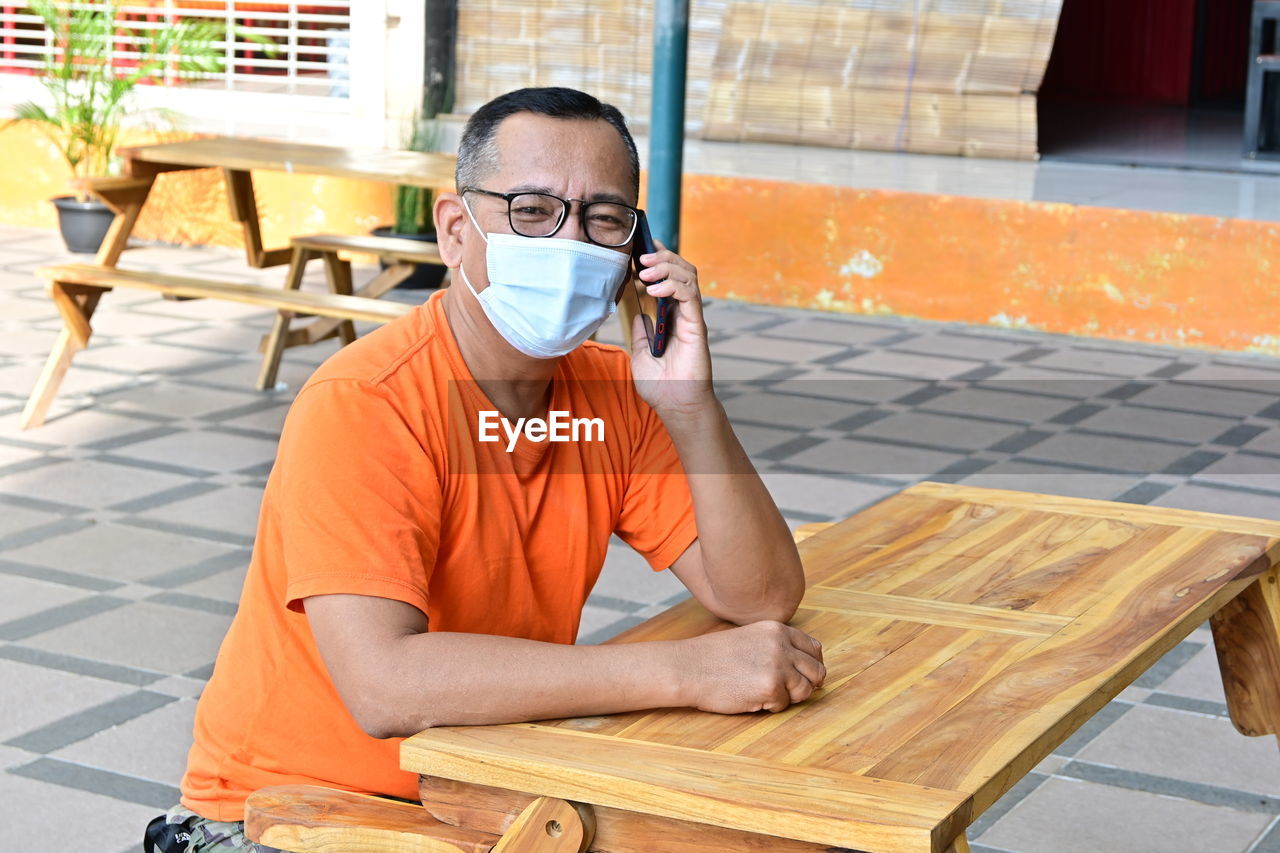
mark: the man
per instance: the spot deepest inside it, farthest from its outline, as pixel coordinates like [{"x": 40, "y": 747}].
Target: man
[{"x": 411, "y": 571}]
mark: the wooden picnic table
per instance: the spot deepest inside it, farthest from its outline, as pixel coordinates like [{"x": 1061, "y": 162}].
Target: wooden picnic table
[
  {"x": 967, "y": 633},
  {"x": 76, "y": 289}
]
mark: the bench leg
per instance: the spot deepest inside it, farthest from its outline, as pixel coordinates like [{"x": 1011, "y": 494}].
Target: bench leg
[
  {"x": 1246, "y": 634},
  {"x": 960, "y": 845},
  {"x": 549, "y": 825},
  {"x": 338, "y": 272},
  {"x": 76, "y": 305},
  {"x": 274, "y": 345},
  {"x": 325, "y": 327},
  {"x": 125, "y": 197}
]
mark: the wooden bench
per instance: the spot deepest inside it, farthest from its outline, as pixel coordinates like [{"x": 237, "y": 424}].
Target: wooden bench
[
  {"x": 77, "y": 288},
  {"x": 402, "y": 256},
  {"x": 967, "y": 633}
]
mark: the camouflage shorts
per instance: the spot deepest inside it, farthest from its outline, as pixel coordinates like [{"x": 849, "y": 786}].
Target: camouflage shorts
[{"x": 212, "y": 835}]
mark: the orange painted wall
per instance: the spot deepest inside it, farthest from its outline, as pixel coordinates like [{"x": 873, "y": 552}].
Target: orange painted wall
[{"x": 1126, "y": 275}]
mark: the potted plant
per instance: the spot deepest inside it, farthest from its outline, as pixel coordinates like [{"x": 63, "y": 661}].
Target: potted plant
[
  {"x": 413, "y": 208},
  {"x": 89, "y": 86}
]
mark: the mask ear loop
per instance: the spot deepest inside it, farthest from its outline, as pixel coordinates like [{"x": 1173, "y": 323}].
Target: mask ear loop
[{"x": 466, "y": 279}]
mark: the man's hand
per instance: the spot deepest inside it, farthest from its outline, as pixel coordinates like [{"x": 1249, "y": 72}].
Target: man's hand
[
  {"x": 679, "y": 382},
  {"x": 765, "y": 666}
]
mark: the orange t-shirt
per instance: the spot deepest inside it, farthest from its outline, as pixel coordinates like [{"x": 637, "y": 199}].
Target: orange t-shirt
[{"x": 381, "y": 488}]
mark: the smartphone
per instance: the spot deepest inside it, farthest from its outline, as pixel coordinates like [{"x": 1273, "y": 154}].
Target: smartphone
[{"x": 659, "y": 320}]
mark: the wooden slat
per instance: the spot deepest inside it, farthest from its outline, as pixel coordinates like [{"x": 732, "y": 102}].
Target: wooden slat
[
  {"x": 738, "y": 793},
  {"x": 304, "y": 302},
  {"x": 310, "y": 819},
  {"x": 411, "y": 251},
  {"x": 932, "y": 612},
  {"x": 1246, "y": 634},
  {"x": 412, "y": 168},
  {"x": 1132, "y": 513}
]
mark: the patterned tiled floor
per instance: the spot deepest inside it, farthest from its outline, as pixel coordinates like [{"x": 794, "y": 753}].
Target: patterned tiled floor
[{"x": 126, "y": 523}]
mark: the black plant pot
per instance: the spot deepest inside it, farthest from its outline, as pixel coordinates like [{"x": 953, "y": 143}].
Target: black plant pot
[
  {"x": 426, "y": 276},
  {"x": 84, "y": 224}
]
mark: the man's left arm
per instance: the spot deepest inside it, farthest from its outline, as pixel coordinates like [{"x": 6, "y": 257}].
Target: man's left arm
[{"x": 743, "y": 566}]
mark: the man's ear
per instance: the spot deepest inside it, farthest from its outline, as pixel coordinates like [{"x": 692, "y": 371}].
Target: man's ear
[{"x": 451, "y": 221}]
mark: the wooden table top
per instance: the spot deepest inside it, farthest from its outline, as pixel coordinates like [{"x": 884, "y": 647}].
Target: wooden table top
[
  {"x": 414, "y": 168},
  {"x": 967, "y": 632}
]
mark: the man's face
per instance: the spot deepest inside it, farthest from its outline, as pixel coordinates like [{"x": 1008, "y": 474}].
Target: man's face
[{"x": 570, "y": 158}]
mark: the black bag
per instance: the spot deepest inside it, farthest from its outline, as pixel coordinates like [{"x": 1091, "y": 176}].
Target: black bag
[{"x": 166, "y": 837}]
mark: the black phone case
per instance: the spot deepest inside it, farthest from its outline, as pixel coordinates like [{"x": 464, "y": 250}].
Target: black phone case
[{"x": 659, "y": 328}]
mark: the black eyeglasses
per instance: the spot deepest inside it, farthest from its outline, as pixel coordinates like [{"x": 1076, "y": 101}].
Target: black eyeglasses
[{"x": 606, "y": 223}]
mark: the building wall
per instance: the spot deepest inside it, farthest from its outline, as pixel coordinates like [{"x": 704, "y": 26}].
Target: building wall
[{"x": 937, "y": 76}]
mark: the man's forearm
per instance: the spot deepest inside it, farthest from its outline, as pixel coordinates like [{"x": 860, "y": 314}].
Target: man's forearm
[
  {"x": 748, "y": 555},
  {"x": 435, "y": 679}
]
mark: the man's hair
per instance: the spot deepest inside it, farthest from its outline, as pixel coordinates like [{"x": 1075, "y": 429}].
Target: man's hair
[{"x": 478, "y": 148}]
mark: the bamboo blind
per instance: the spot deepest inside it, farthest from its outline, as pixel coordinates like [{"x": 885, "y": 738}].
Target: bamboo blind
[{"x": 938, "y": 76}]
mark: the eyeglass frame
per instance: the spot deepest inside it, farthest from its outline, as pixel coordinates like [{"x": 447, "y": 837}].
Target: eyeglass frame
[{"x": 583, "y": 204}]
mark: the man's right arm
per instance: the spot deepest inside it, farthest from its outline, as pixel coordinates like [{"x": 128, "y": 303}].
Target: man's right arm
[{"x": 397, "y": 678}]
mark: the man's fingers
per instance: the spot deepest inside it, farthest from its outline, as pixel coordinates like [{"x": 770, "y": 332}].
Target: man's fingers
[
  {"x": 805, "y": 643},
  {"x": 639, "y": 339},
  {"x": 813, "y": 670}
]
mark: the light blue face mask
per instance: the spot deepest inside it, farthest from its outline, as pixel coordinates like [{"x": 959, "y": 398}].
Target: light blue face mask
[{"x": 547, "y": 295}]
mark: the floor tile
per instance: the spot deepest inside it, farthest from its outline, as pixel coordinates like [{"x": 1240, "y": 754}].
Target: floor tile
[
  {"x": 22, "y": 596},
  {"x": 908, "y": 364},
  {"x": 1006, "y": 405},
  {"x": 1191, "y": 747},
  {"x": 779, "y": 349},
  {"x": 204, "y": 449},
  {"x": 1103, "y": 361},
  {"x": 233, "y": 509},
  {"x": 89, "y": 482},
  {"x": 16, "y": 518},
  {"x": 224, "y": 586},
  {"x": 872, "y": 458},
  {"x": 971, "y": 347},
  {"x": 153, "y": 746},
  {"x": 154, "y": 358},
  {"x": 820, "y": 495},
  {"x": 43, "y": 816},
  {"x": 1198, "y": 678},
  {"x": 827, "y": 331},
  {"x": 48, "y": 695},
  {"x": 118, "y": 551},
  {"x": 1069, "y": 816},
  {"x": 27, "y": 342},
  {"x": 1022, "y": 476},
  {"x": 627, "y": 576},
  {"x": 1206, "y": 499},
  {"x": 80, "y": 427},
  {"x": 1198, "y": 397},
  {"x": 1153, "y": 423},
  {"x": 787, "y": 410},
  {"x": 150, "y": 636},
  {"x": 176, "y": 399},
  {"x": 1117, "y": 454},
  {"x": 940, "y": 431}
]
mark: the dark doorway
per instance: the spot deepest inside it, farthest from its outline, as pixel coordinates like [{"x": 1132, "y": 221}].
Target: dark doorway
[{"x": 1147, "y": 83}]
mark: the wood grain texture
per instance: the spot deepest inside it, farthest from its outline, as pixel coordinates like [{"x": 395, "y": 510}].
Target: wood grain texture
[
  {"x": 547, "y": 825},
  {"x": 618, "y": 830},
  {"x": 413, "y": 168},
  {"x": 1246, "y": 634},
  {"x": 310, "y": 819},
  {"x": 730, "y": 791},
  {"x": 301, "y": 301},
  {"x": 395, "y": 248},
  {"x": 967, "y": 632}
]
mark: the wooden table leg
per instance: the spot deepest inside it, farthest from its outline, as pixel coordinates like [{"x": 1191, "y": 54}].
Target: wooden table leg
[
  {"x": 325, "y": 327},
  {"x": 274, "y": 344},
  {"x": 244, "y": 209},
  {"x": 76, "y": 305},
  {"x": 960, "y": 845},
  {"x": 1246, "y": 633},
  {"x": 338, "y": 272},
  {"x": 548, "y": 825},
  {"x": 125, "y": 197}
]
